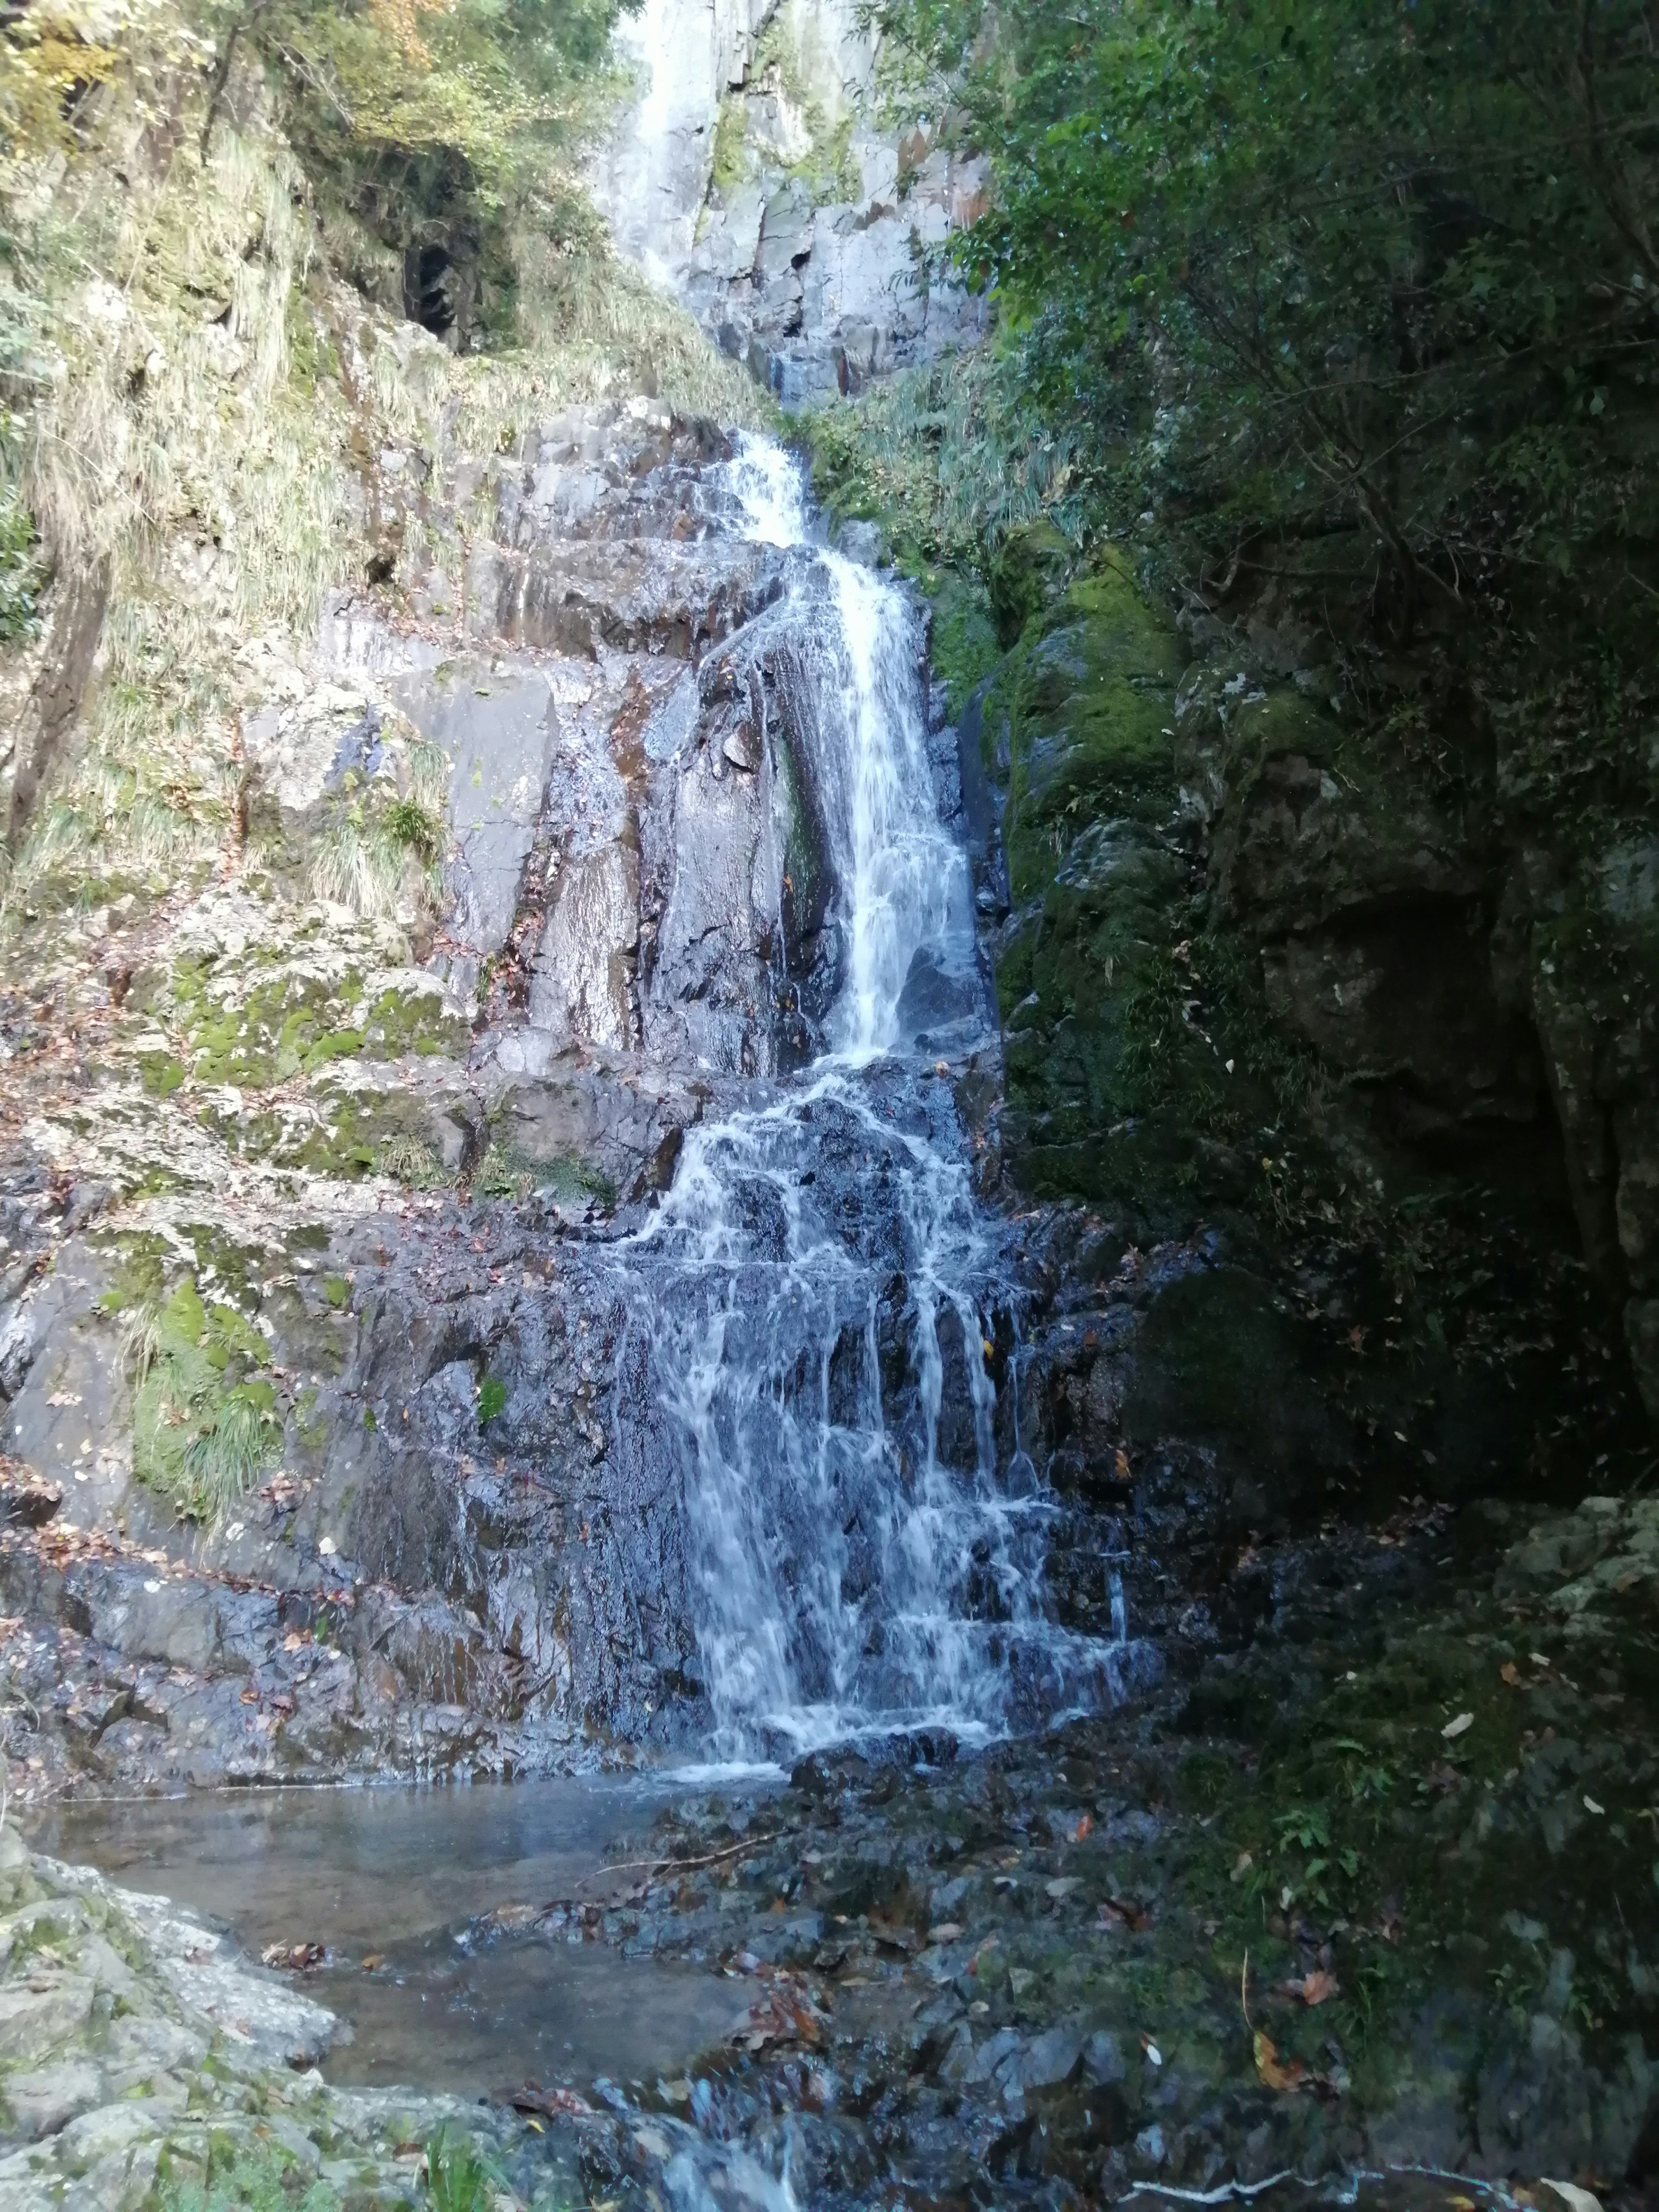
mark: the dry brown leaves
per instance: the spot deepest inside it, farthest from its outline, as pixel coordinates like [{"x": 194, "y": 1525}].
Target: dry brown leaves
[
  {"x": 1316, "y": 1988},
  {"x": 782, "y": 2011},
  {"x": 553, "y": 2104},
  {"x": 292, "y": 1958}
]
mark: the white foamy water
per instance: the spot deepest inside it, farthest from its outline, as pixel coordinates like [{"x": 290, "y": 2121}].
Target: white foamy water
[{"x": 864, "y": 1553}]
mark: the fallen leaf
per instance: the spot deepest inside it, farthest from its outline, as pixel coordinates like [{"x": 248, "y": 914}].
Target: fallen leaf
[
  {"x": 533, "y": 2098},
  {"x": 1455, "y": 1728},
  {"x": 1273, "y": 2074},
  {"x": 1154, "y": 2056},
  {"x": 1510, "y": 1673},
  {"x": 1590, "y": 1806},
  {"x": 1120, "y": 1465},
  {"x": 782, "y": 2013},
  {"x": 946, "y": 1932},
  {"x": 1316, "y": 1988},
  {"x": 1062, "y": 1885},
  {"x": 1120, "y": 1909},
  {"x": 373, "y": 1962},
  {"x": 1461, "y": 2203},
  {"x": 292, "y": 1958},
  {"x": 1242, "y": 1865},
  {"x": 1577, "y": 2199},
  {"x": 1085, "y": 1822}
]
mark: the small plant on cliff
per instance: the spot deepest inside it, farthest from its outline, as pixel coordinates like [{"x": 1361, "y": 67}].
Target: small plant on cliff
[
  {"x": 206, "y": 1420},
  {"x": 21, "y": 576}
]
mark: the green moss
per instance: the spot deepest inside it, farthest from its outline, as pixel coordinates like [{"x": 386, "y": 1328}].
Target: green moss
[
  {"x": 1025, "y": 573},
  {"x": 965, "y": 644},
  {"x": 160, "y": 1073},
  {"x": 731, "y": 128},
  {"x": 1089, "y": 698}
]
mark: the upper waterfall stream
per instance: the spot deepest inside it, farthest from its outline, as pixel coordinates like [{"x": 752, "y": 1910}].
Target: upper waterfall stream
[{"x": 863, "y": 1557}]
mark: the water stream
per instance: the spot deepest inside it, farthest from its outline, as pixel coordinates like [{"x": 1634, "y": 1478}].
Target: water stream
[
  {"x": 818, "y": 1289},
  {"x": 419, "y": 1899}
]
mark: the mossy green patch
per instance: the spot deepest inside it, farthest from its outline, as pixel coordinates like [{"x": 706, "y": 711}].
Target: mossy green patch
[
  {"x": 1089, "y": 700},
  {"x": 506, "y": 1171},
  {"x": 964, "y": 642},
  {"x": 205, "y": 1417},
  {"x": 731, "y": 129}
]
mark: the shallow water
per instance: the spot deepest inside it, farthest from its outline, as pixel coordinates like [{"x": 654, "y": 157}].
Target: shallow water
[{"x": 394, "y": 1877}]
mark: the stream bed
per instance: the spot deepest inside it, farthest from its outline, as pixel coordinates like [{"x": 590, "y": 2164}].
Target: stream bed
[{"x": 393, "y": 1884}]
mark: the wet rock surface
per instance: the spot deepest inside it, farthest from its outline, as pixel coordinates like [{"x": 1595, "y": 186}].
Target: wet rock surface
[
  {"x": 1319, "y": 1904},
  {"x": 351, "y": 1220}
]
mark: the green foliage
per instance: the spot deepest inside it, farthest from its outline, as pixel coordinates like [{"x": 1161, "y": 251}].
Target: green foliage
[
  {"x": 257, "y": 2181},
  {"x": 206, "y": 1420},
  {"x": 409, "y": 1160},
  {"x": 458, "y": 2177},
  {"x": 947, "y": 457},
  {"x": 416, "y": 827},
  {"x": 506, "y": 1172},
  {"x": 1353, "y": 297},
  {"x": 440, "y": 124},
  {"x": 21, "y": 572},
  {"x": 492, "y": 1398}
]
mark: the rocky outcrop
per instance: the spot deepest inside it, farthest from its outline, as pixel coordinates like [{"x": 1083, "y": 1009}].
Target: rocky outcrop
[
  {"x": 752, "y": 174},
  {"x": 1248, "y": 960},
  {"x": 333, "y": 1419}
]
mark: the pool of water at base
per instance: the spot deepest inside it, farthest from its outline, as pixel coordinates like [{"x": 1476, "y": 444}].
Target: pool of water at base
[{"x": 393, "y": 1877}]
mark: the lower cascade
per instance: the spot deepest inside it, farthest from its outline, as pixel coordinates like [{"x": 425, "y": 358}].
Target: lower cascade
[{"x": 865, "y": 1548}]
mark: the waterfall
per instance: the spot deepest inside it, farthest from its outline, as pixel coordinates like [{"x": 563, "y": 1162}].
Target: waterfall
[{"x": 818, "y": 1286}]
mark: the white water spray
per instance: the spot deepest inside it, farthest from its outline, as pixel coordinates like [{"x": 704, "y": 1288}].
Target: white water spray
[{"x": 823, "y": 1257}]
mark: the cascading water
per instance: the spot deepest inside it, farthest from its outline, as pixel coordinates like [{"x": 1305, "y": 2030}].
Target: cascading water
[{"x": 817, "y": 1286}]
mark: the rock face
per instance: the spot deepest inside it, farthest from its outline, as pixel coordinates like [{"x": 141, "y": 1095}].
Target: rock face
[
  {"x": 1248, "y": 963},
  {"x": 337, "y": 1446},
  {"x": 749, "y": 174}
]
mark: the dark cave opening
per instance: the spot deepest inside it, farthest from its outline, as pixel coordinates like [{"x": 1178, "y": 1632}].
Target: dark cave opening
[{"x": 429, "y": 289}]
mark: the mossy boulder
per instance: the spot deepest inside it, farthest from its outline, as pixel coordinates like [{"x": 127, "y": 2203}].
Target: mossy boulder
[
  {"x": 1087, "y": 709},
  {"x": 1079, "y": 729},
  {"x": 1224, "y": 1362},
  {"x": 1026, "y": 573}
]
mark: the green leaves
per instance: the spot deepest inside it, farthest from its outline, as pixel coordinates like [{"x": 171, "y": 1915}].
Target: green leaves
[
  {"x": 205, "y": 1421},
  {"x": 1351, "y": 250}
]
